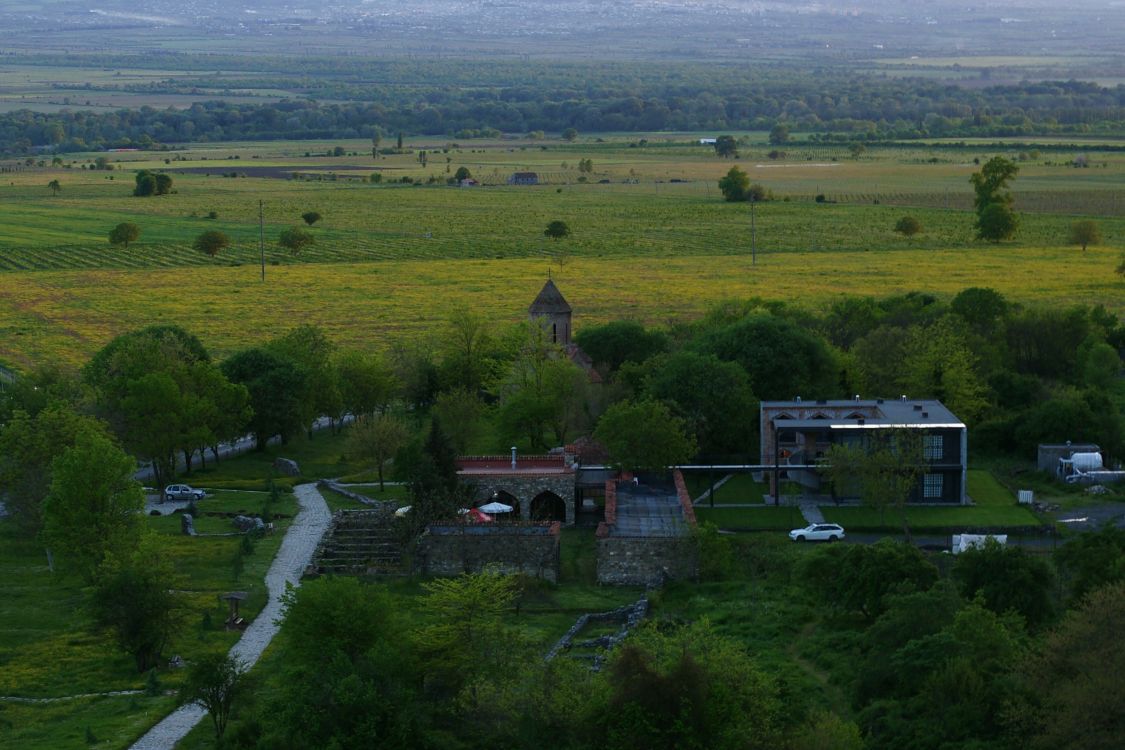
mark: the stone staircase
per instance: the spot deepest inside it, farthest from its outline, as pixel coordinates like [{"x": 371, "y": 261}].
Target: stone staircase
[{"x": 360, "y": 542}]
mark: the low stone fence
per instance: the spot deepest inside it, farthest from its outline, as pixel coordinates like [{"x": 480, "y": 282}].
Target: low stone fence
[
  {"x": 629, "y": 615},
  {"x": 456, "y": 548},
  {"x": 339, "y": 489}
]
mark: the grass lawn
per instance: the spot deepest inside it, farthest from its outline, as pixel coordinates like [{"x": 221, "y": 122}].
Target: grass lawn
[
  {"x": 931, "y": 518},
  {"x": 322, "y": 456},
  {"x": 985, "y": 489},
  {"x": 766, "y": 518},
  {"x": 740, "y": 489},
  {"x": 49, "y": 646}
]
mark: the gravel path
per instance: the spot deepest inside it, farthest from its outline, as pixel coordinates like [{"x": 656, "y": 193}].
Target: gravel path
[{"x": 294, "y": 556}]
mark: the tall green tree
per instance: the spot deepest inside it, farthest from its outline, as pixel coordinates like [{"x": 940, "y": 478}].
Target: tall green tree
[
  {"x": 885, "y": 465},
  {"x": 995, "y": 218},
  {"x": 28, "y": 447},
  {"x": 276, "y": 386},
  {"x": 367, "y": 382},
  {"x": 93, "y": 507},
  {"x": 211, "y": 242},
  {"x": 726, "y": 146},
  {"x": 688, "y": 687},
  {"x": 781, "y": 359},
  {"x": 1093, "y": 559},
  {"x": 1085, "y": 232},
  {"x": 350, "y": 676},
  {"x": 313, "y": 353},
  {"x": 735, "y": 185},
  {"x": 468, "y": 630},
  {"x": 124, "y": 233},
  {"x": 996, "y": 222},
  {"x": 644, "y": 435},
  {"x": 468, "y": 359},
  {"x": 160, "y": 392},
  {"x": 860, "y": 577},
  {"x": 462, "y": 414},
  {"x": 543, "y": 393},
  {"x": 1008, "y": 579},
  {"x": 991, "y": 182},
  {"x": 712, "y": 396},
  {"x": 133, "y": 597},
  {"x": 378, "y": 439},
  {"x": 1074, "y": 696},
  {"x": 295, "y": 240},
  {"x": 214, "y": 681},
  {"x": 557, "y": 230},
  {"x": 613, "y": 344}
]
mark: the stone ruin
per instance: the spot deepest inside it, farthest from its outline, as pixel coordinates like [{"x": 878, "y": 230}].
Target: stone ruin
[{"x": 629, "y": 616}]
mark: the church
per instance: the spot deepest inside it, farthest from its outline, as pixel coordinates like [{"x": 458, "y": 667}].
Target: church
[{"x": 553, "y": 313}]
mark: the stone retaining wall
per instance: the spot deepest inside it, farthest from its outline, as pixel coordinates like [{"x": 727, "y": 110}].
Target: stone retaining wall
[
  {"x": 532, "y": 550},
  {"x": 646, "y": 561}
]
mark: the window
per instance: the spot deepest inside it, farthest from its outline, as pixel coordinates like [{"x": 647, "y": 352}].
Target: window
[
  {"x": 932, "y": 485},
  {"x": 933, "y": 447}
]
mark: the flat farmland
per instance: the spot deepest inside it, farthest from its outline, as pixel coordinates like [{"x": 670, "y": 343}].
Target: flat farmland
[
  {"x": 391, "y": 260},
  {"x": 65, "y": 316}
]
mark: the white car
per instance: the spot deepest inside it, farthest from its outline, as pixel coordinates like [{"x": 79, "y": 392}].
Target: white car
[
  {"x": 818, "y": 532},
  {"x": 182, "y": 492}
]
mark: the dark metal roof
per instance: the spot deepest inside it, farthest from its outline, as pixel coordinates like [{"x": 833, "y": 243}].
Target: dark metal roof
[
  {"x": 875, "y": 413},
  {"x": 549, "y": 301}
]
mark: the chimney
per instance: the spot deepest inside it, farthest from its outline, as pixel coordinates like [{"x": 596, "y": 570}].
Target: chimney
[
  {"x": 857, "y": 397},
  {"x": 513, "y": 456}
]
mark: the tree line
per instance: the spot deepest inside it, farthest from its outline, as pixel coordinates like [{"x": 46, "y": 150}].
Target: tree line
[{"x": 690, "y": 99}]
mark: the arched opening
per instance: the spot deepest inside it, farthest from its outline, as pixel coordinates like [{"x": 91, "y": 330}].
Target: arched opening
[
  {"x": 547, "y": 506},
  {"x": 507, "y": 498}
]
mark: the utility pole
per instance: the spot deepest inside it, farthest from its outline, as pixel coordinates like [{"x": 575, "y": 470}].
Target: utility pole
[{"x": 262, "y": 240}]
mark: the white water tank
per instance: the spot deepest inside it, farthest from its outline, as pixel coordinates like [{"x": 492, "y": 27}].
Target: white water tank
[{"x": 1083, "y": 462}]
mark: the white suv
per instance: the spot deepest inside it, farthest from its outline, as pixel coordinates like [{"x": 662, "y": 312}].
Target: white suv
[
  {"x": 182, "y": 492},
  {"x": 818, "y": 532}
]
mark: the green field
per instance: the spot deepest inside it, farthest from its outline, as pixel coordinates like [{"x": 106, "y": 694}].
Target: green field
[
  {"x": 932, "y": 518},
  {"x": 390, "y": 261}
]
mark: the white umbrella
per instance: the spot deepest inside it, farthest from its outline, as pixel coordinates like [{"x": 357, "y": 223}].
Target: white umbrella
[
  {"x": 496, "y": 508},
  {"x": 403, "y": 511}
]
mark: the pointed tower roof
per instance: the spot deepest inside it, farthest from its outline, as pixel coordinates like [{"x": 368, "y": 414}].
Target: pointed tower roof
[{"x": 549, "y": 301}]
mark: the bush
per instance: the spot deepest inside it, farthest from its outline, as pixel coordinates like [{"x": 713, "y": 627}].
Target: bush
[{"x": 908, "y": 226}]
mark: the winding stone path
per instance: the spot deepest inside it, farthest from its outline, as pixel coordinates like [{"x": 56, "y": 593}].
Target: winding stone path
[{"x": 294, "y": 556}]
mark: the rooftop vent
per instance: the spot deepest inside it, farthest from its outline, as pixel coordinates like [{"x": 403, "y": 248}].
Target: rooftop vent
[
  {"x": 857, "y": 397},
  {"x": 878, "y": 400},
  {"x": 903, "y": 397},
  {"x": 860, "y": 421},
  {"x": 917, "y": 407},
  {"x": 925, "y": 414},
  {"x": 797, "y": 399}
]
